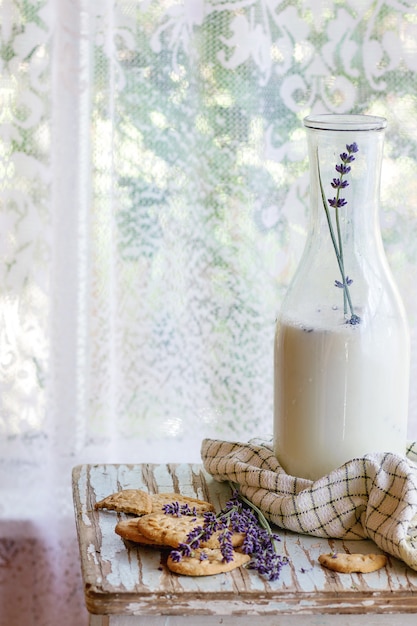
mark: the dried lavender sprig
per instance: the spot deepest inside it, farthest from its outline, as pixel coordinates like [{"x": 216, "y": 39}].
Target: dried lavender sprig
[
  {"x": 260, "y": 542},
  {"x": 265, "y": 556},
  {"x": 212, "y": 523},
  {"x": 337, "y": 202},
  {"x": 261, "y": 517}
]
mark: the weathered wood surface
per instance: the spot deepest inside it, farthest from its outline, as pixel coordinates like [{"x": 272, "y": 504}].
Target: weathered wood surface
[
  {"x": 261, "y": 620},
  {"x": 122, "y": 579}
]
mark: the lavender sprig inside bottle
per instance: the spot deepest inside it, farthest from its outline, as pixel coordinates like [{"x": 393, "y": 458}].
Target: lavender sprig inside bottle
[{"x": 337, "y": 202}]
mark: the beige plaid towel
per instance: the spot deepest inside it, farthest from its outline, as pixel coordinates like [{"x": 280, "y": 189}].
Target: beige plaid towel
[{"x": 371, "y": 497}]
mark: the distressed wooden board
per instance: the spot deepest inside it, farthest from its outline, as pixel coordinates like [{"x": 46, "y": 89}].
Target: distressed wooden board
[
  {"x": 276, "y": 620},
  {"x": 128, "y": 580}
]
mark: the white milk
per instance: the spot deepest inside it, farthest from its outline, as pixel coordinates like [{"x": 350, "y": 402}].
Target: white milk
[{"x": 341, "y": 391}]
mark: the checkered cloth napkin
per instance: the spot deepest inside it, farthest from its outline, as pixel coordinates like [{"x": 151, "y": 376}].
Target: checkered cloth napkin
[{"x": 373, "y": 497}]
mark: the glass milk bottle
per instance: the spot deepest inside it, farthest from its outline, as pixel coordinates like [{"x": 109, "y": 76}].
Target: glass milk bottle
[{"x": 341, "y": 363}]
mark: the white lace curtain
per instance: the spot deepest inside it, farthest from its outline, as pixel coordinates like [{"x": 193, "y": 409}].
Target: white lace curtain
[{"x": 153, "y": 204}]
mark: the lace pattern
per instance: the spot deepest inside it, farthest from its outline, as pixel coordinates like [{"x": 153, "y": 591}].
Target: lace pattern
[{"x": 154, "y": 188}]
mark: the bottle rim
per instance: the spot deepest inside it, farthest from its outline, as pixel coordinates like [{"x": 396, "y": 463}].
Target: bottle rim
[{"x": 348, "y": 122}]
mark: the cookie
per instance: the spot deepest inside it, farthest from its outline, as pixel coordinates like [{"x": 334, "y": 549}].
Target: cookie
[
  {"x": 167, "y": 529},
  {"x": 128, "y": 529},
  {"x": 206, "y": 562},
  {"x": 127, "y": 501},
  {"x": 159, "y": 499},
  {"x": 171, "y": 531},
  {"x": 349, "y": 563}
]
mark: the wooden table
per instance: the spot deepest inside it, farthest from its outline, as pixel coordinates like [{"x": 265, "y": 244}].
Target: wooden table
[{"x": 126, "y": 585}]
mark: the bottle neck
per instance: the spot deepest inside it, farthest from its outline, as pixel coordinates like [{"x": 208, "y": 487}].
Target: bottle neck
[
  {"x": 343, "y": 276},
  {"x": 343, "y": 261},
  {"x": 345, "y": 172}
]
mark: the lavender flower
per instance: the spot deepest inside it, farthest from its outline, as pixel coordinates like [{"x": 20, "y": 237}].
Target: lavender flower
[
  {"x": 261, "y": 543},
  {"x": 342, "y": 169},
  {"x": 179, "y": 509},
  {"x": 337, "y": 202},
  {"x": 238, "y": 515},
  {"x": 347, "y": 282},
  {"x": 226, "y": 547},
  {"x": 195, "y": 537},
  {"x": 337, "y": 183},
  {"x": 176, "y": 555}
]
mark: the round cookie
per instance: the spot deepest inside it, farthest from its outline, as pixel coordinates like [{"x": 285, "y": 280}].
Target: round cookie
[
  {"x": 349, "y": 563},
  {"x": 206, "y": 562}
]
